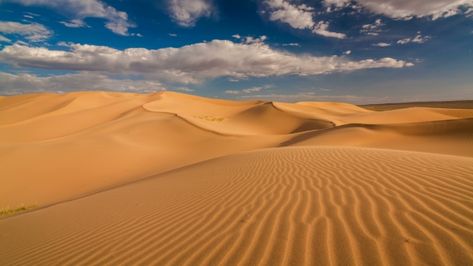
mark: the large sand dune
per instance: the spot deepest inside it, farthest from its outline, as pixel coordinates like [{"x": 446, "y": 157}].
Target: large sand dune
[{"x": 168, "y": 178}]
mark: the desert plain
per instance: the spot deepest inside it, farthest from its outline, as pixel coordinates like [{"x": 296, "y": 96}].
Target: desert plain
[{"x": 108, "y": 178}]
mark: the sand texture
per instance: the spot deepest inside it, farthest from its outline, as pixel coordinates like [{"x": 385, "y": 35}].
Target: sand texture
[{"x": 174, "y": 179}]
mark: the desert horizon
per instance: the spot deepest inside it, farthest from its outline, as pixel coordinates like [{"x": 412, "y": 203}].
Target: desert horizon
[{"x": 375, "y": 106}]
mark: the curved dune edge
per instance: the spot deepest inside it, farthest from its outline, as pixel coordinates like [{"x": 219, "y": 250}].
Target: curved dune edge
[
  {"x": 239, "y": 118},
  {"x": 445, "y": 137},
  {"x": 284, "y": 206}
]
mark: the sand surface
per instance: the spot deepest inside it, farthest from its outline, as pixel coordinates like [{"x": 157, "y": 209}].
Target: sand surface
[
  {"x": 459, "y": 104},
  {"x": 168, "y": 178}
]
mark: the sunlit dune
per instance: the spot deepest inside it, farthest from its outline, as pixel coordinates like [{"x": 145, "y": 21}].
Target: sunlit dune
[{"x": 166, "y": 178}]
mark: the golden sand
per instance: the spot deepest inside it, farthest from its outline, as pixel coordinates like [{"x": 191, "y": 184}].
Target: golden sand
[{"x": 168, "y": 178}]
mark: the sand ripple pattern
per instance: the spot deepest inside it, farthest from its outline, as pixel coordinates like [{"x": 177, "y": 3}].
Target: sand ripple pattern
[{"x": 285, "y": 206}]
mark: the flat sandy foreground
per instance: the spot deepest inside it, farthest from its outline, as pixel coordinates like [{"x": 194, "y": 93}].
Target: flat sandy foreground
[{"x": 173, "y": 179}]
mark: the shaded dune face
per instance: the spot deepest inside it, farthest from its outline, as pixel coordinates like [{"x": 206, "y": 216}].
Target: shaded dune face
[
  {"x": 448, "y": 136},
  {"x": 268, "y": 119},
  {"x": 284, "y": 206},
  {"x": 168, "y": 178}
]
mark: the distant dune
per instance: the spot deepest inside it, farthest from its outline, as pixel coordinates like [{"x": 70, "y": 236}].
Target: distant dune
[
  {"x": 468, "y": 104},
  {"x": 168, "y": 178}
]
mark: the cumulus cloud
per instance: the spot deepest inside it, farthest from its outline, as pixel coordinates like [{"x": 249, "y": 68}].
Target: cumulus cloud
[
  {"x": 406, "y": 9},
  {"x": 419, "y": 38},
  {"x": 187, "y": 12},
  {"x": 322, "y": 29},
  {"x": 248, "y": 90},
  {"x": 337, "y": 3},
  {"x": 254, "y": 40},
  {"x": 299, "y": 17},
  {"x": 188, "y": 64},
  {"x": 33, "y": 32},
  {"x": 117, "y": 21},
  {"x": 24, "y": 82},
  {"x": 382, "y": 44},
  {"x": 372, "y": 29}
]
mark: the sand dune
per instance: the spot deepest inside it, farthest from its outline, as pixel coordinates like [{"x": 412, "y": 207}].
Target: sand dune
[
  {"x": 284, "y": 206},
  {"x": 409, "y": 115},
  {"x": 236, "y": 118},
  {"x": 448, "y": 137},
  {"x": 169, "y": 178},
  {"x": 459, "y": 104}
]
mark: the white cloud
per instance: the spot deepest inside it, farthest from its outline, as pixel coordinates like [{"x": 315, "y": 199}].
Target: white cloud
[
  {"x": 372, "y": 29},
  {"x": 187, "y": 12},
  {"x": 117, "y": 21},
  {"x": 24, "y": 82},
  {"x": 74, "y": 23},
  {"x": 248, "y": 90},
  {"x": 419, "y": 38},
  {"x": 337, "y": 3},
  {"x": 348, "y": 52},
  {"x": 404, "y": 41},
  {"x": 299, "y": 17},
  {"x": 322, "y": 29},
  {"x": 254, "y": 40},
  {"x": 293, "y": 44},
  {"x": 33, "y": 32},
  {"x": 4, "y": 39},
  {"x": 406, "y": 9},
  {"x": 188, "y": 64},
  {"x": 382, "y": 44}
]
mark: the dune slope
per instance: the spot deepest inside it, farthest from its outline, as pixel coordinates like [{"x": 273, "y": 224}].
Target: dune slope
[
  {"x": 446, "y": 137},
  {"x": 283, "y": 206},
  {"x": 98, "y": 140}
]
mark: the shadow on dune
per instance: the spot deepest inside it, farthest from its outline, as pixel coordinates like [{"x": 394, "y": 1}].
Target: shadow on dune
[{"x": 458, "y": 128}]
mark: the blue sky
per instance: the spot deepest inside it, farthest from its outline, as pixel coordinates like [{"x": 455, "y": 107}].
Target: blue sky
[{"x": 360, "y": 51}]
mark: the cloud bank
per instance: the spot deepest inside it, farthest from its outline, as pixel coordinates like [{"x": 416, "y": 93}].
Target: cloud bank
[
  {"x": 188, "y": 64},
  {"x": 32, "y": 32},
  {"x": 24, "y": 83},
  {"x": 406, "y": 9},
  {"x": 117, "y": 21}
]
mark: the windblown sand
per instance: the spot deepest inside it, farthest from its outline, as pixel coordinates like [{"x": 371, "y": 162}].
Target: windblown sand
[{"x": 167, "y": 178}]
